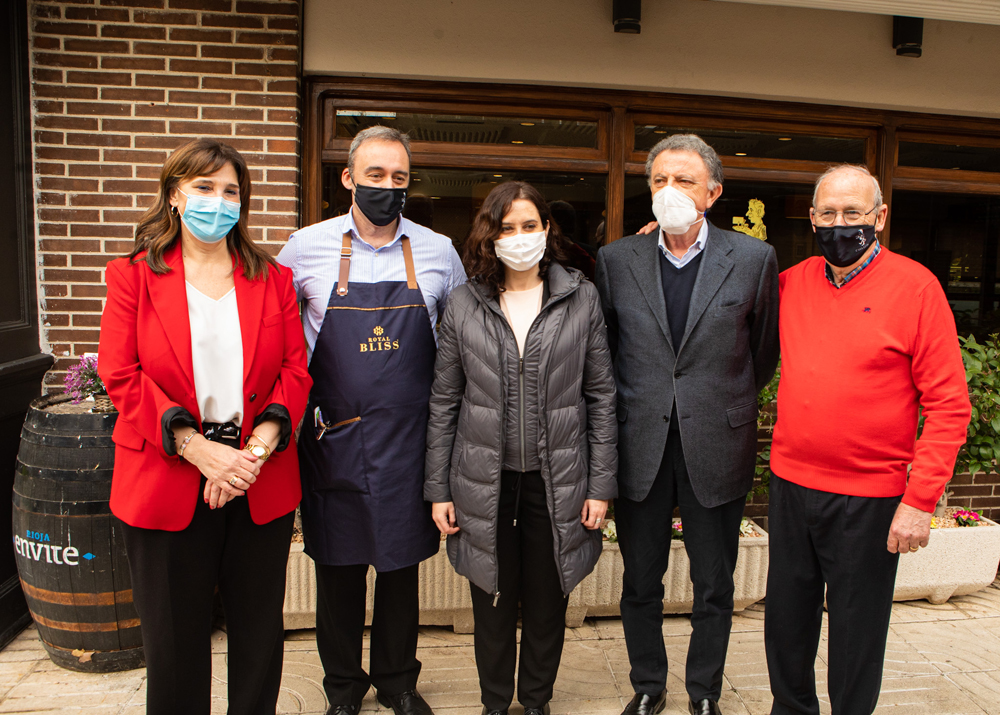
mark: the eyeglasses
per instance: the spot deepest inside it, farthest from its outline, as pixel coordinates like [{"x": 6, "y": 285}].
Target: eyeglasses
[{"x": 852, "y": 217}]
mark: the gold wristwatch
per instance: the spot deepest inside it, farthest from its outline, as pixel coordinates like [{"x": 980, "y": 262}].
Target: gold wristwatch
[{"x": 260, "y": 451}]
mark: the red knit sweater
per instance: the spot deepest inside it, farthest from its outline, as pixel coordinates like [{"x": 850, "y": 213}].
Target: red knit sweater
[{"x": 856, "y": 363}]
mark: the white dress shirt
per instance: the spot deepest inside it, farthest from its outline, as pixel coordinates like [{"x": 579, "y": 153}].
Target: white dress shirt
[
  {"x": 697, "y": 247},
  {"x": 216, "y": 355}
]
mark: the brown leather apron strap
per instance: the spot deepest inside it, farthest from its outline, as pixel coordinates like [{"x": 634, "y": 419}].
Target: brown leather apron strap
[
  {"x": 345, "y": 265},
  {"x": 411, "y": 273}
]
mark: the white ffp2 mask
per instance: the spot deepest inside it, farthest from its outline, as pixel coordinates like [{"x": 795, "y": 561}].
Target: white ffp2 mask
[
  {"x": 674, "y": 210},
  {"x": 521, "y": 251}
]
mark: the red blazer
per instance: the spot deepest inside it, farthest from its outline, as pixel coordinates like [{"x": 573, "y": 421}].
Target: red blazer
[{"x": 145, "y": 362}]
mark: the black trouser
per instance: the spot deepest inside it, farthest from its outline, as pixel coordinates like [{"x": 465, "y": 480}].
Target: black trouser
[
  {"x": 528, "y": 574},
  {"x": 815, "y": 539},
  {"x": 174, "y": 575},
  {"x": 711, "y": 537},
  {"x": 341, "y": 592}
]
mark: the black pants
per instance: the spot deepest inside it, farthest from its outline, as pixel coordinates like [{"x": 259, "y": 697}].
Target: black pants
[
  {"x": 711, "y": 537},
  {"x": 818, "y": 538},
  {"x": 174, "y": 575},
  {"x": 527, "y": 575},
  {"x": 341, "y": 592}
]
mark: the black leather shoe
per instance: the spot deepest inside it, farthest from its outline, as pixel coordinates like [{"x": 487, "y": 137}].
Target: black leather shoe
[
  {"x": 344, "y": 710},
  {"x": 486, "y": 711},
  {"x": 704, "y": 707},
  {"x": 406, "y": 703},
  {"x": 544, "y": 710},
  {"x": 643, "y": 704}
]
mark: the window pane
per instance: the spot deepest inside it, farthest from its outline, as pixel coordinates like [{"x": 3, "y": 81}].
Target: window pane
[
  {"x": 447, "y": 200},
  {"x": 949, "y": 156},
  {"x": 778, "y": 211},
  {"x": 467, "y": 129},
  {"x": 759, "y": 145},
  {"x": 956, "y": 237}
]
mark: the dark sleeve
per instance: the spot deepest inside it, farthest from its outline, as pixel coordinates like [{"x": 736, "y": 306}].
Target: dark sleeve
[
  {"x": 764, "y": 323},
  {"x": 175, "y": 417},
  {"x": 603, "y": 283},
  {"x": 278, "y": 413},
  {"x": 447, "y": 393},
  {"x": 599, "y": 393}
]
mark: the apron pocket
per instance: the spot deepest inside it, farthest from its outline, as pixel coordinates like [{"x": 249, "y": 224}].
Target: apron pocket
[{"x": 344, "y": 465}]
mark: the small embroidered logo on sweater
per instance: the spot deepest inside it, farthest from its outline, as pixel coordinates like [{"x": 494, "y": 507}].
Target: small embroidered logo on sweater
[{"x": 868, "y": 310}]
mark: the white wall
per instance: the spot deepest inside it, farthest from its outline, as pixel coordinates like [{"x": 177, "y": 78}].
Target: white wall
[{"x": 686, "y": 46}]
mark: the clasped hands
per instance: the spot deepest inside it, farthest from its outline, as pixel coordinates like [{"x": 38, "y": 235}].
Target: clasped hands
[
  {"x": 228, "y": 471},
  {"x": 443, "y": 513}
]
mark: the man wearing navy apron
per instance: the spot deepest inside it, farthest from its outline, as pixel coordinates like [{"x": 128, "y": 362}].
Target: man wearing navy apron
[{"x": 372, "y": 284}]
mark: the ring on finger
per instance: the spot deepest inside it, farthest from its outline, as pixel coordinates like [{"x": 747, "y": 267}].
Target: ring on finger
[{"x": 232, "y": 481}]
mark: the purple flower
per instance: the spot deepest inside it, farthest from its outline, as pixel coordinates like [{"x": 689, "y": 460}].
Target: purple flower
[{"x": 82, "y": 379}]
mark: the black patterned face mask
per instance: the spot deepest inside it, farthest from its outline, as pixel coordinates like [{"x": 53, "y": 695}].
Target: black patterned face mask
[{"x": 843, "y": 246}]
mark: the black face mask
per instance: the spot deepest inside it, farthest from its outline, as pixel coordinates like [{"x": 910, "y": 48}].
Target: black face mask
[
  {"x": 380, "y": 206},
  {"x": 842, "y": 246}
]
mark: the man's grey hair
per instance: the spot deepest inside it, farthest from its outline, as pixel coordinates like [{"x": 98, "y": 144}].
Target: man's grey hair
[
  {"x": 860, "y": 168},
  {"x": 378, "y": 133},
  {"x": 692, "y": 143}
]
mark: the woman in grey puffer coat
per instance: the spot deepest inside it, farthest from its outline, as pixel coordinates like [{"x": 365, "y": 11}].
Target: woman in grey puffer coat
[{"x": 521, "y": 443}]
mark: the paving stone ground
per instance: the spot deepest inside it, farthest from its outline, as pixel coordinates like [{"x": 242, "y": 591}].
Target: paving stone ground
[{"x": 941, "y": 660}]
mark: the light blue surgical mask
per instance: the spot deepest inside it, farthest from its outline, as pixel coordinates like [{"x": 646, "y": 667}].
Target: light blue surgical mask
[{"x": 210, "y": 218}]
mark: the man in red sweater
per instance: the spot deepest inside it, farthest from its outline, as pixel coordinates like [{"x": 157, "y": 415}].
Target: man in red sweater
[{"x": 868, "y": 341}]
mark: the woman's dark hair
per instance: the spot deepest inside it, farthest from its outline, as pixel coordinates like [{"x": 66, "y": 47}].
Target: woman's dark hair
[
  {"x": 159, "y": 227},
  {"x": 478, "y": 255}
]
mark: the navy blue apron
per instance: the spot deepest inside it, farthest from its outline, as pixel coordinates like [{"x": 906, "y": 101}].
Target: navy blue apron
[{"x": 363, "y": 441}]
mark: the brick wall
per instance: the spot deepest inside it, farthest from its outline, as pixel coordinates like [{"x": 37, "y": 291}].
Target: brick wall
[
  {"x": 978, "y": 493},
  {"x": 118, "y": 84}
]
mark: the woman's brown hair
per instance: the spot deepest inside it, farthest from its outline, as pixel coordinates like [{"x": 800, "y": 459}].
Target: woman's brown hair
[
  {"x": 159, "y": 227},
  {"x": 478, "y": 255}
]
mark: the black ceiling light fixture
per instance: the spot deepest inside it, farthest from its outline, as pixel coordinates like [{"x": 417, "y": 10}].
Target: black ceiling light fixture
[
  {"x": 907, "y": 35},
  {"x": 627, "y": 16}
]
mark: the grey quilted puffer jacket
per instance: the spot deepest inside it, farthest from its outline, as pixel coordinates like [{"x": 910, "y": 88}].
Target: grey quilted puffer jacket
[{"x": 566, "y": 354}]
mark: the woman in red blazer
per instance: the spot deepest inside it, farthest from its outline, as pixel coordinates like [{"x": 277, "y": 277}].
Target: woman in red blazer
[{"x": 202, "y": 353}]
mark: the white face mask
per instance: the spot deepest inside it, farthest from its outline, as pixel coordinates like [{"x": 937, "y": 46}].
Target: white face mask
[
  {"x": 675, "y": 211},
  {"x": 521, "y": 251}
]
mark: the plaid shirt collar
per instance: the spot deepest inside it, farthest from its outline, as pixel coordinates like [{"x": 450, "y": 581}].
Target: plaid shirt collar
[{"x": 853, "y": 274}]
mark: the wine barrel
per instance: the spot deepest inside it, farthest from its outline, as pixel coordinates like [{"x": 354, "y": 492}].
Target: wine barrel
[{"x": 69, "y": 547}]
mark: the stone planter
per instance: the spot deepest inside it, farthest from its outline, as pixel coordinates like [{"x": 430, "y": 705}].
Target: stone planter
[
  {"x": 445, "y": 599},
  {"x": 956, "y": 562}
]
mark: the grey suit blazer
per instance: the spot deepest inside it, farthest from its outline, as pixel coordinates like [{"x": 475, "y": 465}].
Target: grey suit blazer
[{"x": 728, "y": 353}]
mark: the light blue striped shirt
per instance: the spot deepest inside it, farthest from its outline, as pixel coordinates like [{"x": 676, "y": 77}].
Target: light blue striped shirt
[{"x": 313, "y": 254}]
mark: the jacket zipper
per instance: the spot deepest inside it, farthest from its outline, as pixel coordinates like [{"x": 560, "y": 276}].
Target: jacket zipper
[
  {"x": 520, "y": 410},
  {"x": 503, "y": 435}
]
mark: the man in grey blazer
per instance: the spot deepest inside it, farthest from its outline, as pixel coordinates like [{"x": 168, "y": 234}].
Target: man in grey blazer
[{"x": 692, "y": 315}]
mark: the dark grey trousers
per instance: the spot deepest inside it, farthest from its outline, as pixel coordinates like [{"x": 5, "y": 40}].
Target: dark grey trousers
[
  {"x": 711, "y": 538},
  {"x": 823, "y": 541}
]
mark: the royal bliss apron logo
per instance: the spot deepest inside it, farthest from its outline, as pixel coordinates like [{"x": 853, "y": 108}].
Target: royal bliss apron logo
[
  {"x": 379, "y": 342},
  {"x": 37, "y": 547}
]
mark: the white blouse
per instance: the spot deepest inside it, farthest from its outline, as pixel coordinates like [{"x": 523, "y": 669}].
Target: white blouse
[
  {"x": 521, "y": 307},
  {"x": 217, "y": 355}
]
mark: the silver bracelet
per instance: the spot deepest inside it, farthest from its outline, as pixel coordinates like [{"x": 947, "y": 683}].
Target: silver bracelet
[{"x": 180, "y": 450}]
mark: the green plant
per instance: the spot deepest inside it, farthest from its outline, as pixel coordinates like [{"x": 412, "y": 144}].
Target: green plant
[
  {"x": 982, "y": 375},
  {"x": 767, "y": 403}
]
